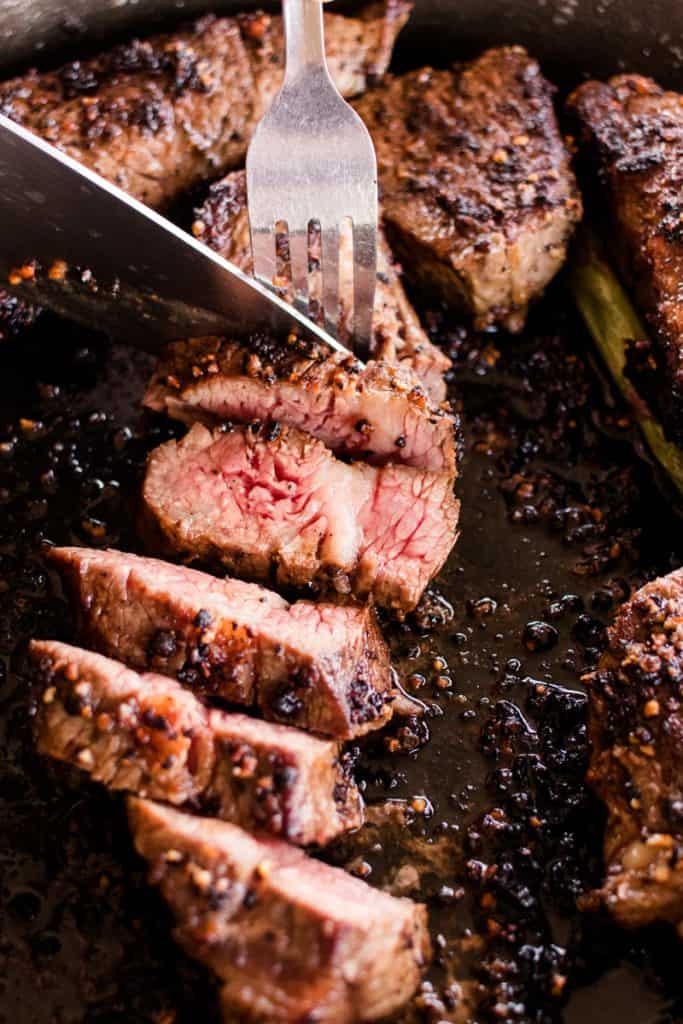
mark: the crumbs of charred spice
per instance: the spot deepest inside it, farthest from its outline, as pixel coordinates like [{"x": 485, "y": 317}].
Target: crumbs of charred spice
[
  {"x": 537, "y": 846},
  {"x": 364, "y": 700},
  {"x": 176, "y": 62},
  {"x": 433, "y": 612},
  {"x": 15, "y": 316},
  {"x": 163, "y": 644},
  {"x": 286, "y": 704}
]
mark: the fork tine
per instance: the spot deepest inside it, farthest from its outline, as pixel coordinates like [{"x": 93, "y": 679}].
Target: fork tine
[
  {"x": 263, "y": 248},
  {"x": 330, "y": 268},
  {"x": 364, "y": 281},
  {"x": 298, "y": 255}
]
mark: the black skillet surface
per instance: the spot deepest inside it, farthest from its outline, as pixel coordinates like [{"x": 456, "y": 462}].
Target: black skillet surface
[{"x": 560, "y": 520}]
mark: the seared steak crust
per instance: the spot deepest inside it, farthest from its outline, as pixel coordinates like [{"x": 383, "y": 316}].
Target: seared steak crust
[
  {"x": 158, "y": 115},
  {"x": 478, "y": 196},
  {"x": 280, "y": 780},
  {"x": 142, "y": 734},
  {"x": 147, "y": 735},
  {"x": 290, "y": 938},
  {"x": 318, "y": 666},
  {"x": 222, "y": 222},
  {"x": 636, "y": 733},
  {"x": 379, "y": 412},
  {"x": 633, "y": 131},
  {"x": 273, "y": 502}
]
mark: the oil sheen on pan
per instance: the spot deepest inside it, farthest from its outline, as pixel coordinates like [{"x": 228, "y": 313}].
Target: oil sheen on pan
[{"x": 560, "y": 520}]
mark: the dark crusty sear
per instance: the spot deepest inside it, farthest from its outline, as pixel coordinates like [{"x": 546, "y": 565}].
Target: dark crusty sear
[
  {"x": 149, "y": 736},
  {"x": 379, "y": 412},
  {"x": 280, "y": 780},
  {"x": 146, "y": 735},
  {"x": 290, "y": 938},
  {"x": 478, "y": 197},
  {"x": 398, "y": 336},
  {"x": 636, "y": 736},
  {"x": 321, "y": 667},
  {"x": 632, "y": 131},
  {"x": 272, "y": 502},
  {"x": 158, "y": 115}
]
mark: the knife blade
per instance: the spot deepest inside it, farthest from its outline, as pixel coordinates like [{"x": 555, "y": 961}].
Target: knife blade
[{"x": 72, "y": 241}]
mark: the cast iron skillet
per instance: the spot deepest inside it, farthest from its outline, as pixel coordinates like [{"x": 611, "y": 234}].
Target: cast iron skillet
[{"x": 561, "y": 519}]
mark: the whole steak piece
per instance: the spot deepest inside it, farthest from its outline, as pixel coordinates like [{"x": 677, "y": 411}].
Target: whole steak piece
[
  {"x": 272, "y": 502},
  {"x": 378, "y": 412},
  {"x": 147, "y": 735},
  {"x": 291, "y": 939},
  {"x": 636, "y": 734},
  {"x": 478, "y": 197},
  {"x": 156, "y": 116},
  {"x": 631, "y": 132},
  {"x": 321, "y": 667},
  {"x": 398, "y": 337}
]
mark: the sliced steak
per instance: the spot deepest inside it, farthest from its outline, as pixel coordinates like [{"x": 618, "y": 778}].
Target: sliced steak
[
  {"x": 280, "y": 780},
  {"x": 273, "y": 502},
  {"x": 636, "y": 735},
  {"x": 290, "y": 938},
  {"x": 144, "y": 734},
  {"x": 222, "y": 223},
  {"x": 159, "y": 115},
  {"x": 478, "y": 196},
  {"x": 378, "y": 412},
  {"x": 149, "y": 736},
  {"x": 632, "y": 133},
  {"x": 321, "y": 667}
]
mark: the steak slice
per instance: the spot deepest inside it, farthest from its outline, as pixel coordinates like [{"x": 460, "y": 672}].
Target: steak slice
[
  {"x": 632, "y": 131},
  {"x": 273, "y": 502},
  {"x": 378, "y": 412},
  {"x": 280, "y": 780},
  {"x": 159, "y": 115},
  {"x": 291, "y": 939},
  {"x": 147, "y": 735},
  {"x": 321, "y": 667},
  {"x": 636, "y": 736},
  {"x": 478, "y": 196},
  {"x": 144, "y": 734},
  {"x": 223, "y": 223}
]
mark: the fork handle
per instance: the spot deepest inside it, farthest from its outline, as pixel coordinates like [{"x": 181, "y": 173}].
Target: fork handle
[{"x": 304, "y": 35}]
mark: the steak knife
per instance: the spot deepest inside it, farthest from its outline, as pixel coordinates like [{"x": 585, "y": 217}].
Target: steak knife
[{"x": 72, "y": 241}]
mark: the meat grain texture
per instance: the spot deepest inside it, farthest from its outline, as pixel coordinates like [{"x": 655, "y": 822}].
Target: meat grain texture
[
  {"x": 398, "y": 337},
  {"x": 271, "y": 502},
  {"x": 636, "y": 735},
  {"x": 290, "y": 939},
  {"x": 321, "y": 667},
  {"x": 147, "y": 735},
  {"x": 631, "y": 131},
  {"x": 478, "y": 196},
  {"x": 379, "y": 412},
  {"x": 156, "y": 116}
]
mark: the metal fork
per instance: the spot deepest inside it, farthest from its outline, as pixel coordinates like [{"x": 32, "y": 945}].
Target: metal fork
[{"x": 311, "y": 162}]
